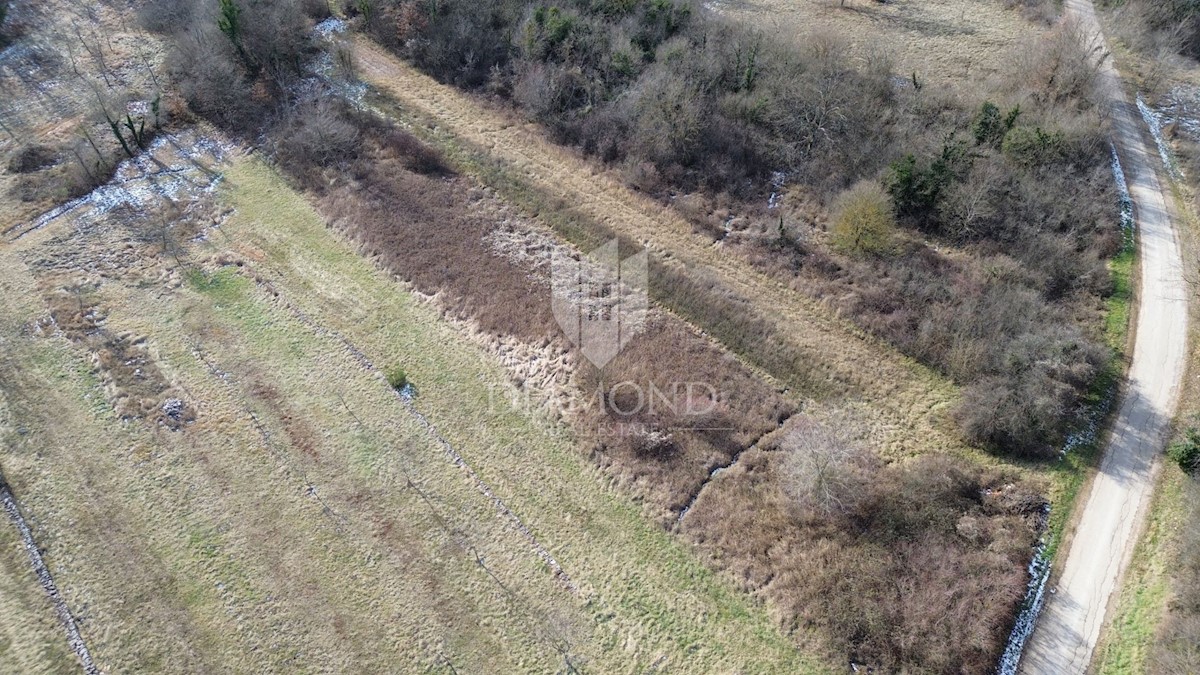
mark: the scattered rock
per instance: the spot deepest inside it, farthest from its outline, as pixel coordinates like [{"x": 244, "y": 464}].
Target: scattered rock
[{"x": 173, "y": 409}]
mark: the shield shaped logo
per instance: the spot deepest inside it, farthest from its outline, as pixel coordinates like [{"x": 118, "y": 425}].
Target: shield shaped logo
[{"x": 599, "y": 300}]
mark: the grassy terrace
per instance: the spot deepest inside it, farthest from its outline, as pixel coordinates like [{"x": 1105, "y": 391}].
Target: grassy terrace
[{"x": 31, "y": 640}]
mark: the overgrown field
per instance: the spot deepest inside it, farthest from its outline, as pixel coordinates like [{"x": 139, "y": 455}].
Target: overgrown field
[
  {"x": 985, "y": 261},
  {"x": 742, "y": 518},
  {"x": 971, "y": 204},
  {"x": 297, "y": 514},
  {"x": 67, "y": 69},
  {"x": 315, "y": 412}
]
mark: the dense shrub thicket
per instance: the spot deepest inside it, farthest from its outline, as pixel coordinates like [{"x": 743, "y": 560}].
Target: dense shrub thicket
[
  {"x": 693, "y": 103},
  {"x": 706, "y": 103},
  {"x": 233, "y": 61},
  {"x": 690, "y": 102},
  {"x": 1010, "y": 321},
  {"x": 1175, "y": 24}
]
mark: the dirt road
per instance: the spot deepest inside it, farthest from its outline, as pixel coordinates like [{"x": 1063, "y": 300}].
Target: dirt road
[
  {"x": 908, "y": 398},
  {"x": 1071, "y": 621}
]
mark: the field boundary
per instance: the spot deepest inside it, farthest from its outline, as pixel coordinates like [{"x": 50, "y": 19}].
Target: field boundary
[{"x": 46, "y": 580}]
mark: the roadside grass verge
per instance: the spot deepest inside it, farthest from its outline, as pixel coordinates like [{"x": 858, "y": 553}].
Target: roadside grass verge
[
  {"x": 1153, "y": 627},
  {"x": 1142, "y": 602},
  {"x": 1120, "y": 304}
]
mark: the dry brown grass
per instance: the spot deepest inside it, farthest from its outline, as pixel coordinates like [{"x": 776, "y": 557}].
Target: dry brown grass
[
  {"x": 136, "y": 387},
  {"x": 48, "y": 101},
  {"x": 442, "y": 246},
  {"x": 32, "y": 638},
  {"x": 943, "y": 41},
  {"x": 785, "y": 332}
]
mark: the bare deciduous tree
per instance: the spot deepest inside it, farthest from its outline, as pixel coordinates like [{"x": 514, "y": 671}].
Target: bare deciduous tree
[{"x": 827, "y": 470}]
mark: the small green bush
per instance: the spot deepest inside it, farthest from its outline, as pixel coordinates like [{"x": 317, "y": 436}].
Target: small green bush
[
  {"x": 1034, "y": 146},
  {"x": 397, "y": 378},
  {"x": 864, "y": 224},
  {"x": 1186, "y": 451},
  {"x": 917, "y": 188},
  {"x": 989, "y": 127}
]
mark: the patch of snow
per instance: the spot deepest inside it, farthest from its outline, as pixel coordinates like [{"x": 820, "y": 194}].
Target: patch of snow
[
  {"x": 778, "y": 179},
  {"x": 1182, "y": 104},
  {"x": 1031, "y": 607},
  {"x": 1090, "y": 431},
  {"x": 16, "y": 50},
  {"x": 325, "y": 79},
  {"x": 1154, "y": 121},
  {"x": 1125, "y": 201},
  {"x": 173, "y": 408},
  {"x": 330, "y": 27},
  {"x": 169, "y": 170}
]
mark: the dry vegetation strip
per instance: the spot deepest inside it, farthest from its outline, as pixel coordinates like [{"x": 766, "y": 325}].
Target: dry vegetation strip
[
  {"x": 446, "y": 245},
  {"x": 844, "y": 361},
  {"x": 714, "y": 116}
]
